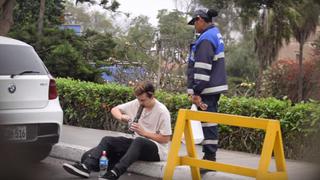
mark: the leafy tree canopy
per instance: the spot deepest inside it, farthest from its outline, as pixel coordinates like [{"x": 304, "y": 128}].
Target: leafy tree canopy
[
  {"x": 27, "y": 12},
  {"x": 106, "y": 4},
  {"x": 93, "y": 20}
]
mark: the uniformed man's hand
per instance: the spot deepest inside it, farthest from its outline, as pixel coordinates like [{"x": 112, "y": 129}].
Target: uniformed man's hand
[
  {"x": 198, "y": 101},
  {"x": 203, "y": 106}
]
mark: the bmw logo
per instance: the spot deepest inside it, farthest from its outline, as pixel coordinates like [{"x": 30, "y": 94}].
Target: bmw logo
[{"x": 12, "y": 88}]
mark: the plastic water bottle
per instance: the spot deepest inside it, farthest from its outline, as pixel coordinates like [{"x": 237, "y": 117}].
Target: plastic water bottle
[{"x": 103, "y": 163}]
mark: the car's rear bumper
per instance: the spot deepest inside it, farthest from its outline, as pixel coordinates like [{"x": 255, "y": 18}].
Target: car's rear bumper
[
  {"x": 42, "y": 126},
  {"x": 36, "y": 134}
]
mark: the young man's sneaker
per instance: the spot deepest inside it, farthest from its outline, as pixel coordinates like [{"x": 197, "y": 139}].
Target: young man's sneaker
[
  {"x": 77, "y": 169},
  {"x": 110, "y": 175}
]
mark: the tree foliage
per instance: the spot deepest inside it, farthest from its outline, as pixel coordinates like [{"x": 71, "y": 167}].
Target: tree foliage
[
  {"x": 280, "y": 80},
  {"x": 228, "y": 20},
  {"x": 133, "y": 52},
  {"x": 141, "y": 33},
  {"x": 89, "y": 20},
  {"x": 162, "y": 51},
  {"x": 98, "y": 48},
  {"x": 273, "y": 21},
  {"x": 303, "y": 23},
  {"x": 242, "y": 66},
  {"x": 242, "y": 59},
  {"x": 271, "y": 28},
  {"x": 135, "y": 46},
  {"x": 106, "y": 4},
  {"x": 64, "y": 53},
  {"x": 173, "y": 46},
  {"x": 175, "y": 35},
  {"x": 27, "y": 12}
]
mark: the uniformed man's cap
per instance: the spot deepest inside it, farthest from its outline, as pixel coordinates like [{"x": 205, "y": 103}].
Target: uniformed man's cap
[
  {"x": 203, "y": 14},
  {"x": 197, "y": 14}
]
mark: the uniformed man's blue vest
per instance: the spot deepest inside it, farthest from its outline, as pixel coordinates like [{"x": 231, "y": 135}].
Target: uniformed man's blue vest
[
  {"x": 214, "y": 36},
  {"x": 218, "y": 80}
]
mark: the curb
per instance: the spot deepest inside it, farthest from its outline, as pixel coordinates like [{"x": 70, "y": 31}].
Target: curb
[
  {"x": 67, "y": 151},
  {"x": 152, "y": 169}
]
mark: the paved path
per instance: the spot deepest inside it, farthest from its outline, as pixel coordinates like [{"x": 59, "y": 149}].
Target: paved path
[{"x": 76, "y": 140}]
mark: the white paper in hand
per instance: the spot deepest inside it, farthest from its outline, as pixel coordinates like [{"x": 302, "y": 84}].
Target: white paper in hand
[{"x": 196, "y": 129}]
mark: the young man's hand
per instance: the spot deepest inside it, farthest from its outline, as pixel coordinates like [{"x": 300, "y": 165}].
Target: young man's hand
[
  {"x": 150, "y": 135},
  {"x": 137, "y": 128},
  {"x": 125, "y": 118}
]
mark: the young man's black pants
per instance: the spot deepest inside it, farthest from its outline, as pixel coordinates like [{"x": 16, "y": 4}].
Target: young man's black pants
[{"x": 121, "y": 152}]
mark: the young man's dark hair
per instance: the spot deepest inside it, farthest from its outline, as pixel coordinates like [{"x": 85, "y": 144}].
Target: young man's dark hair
[{"x": 144, "y": 87}]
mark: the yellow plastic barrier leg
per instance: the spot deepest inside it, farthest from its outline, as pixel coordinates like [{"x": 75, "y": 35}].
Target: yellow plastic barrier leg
[
  {"x": 173, "y": 159},
  {"x": 272, "y": 143},
  {"x": 191, "y": 149},
  {"x": 279, "y": 152}
]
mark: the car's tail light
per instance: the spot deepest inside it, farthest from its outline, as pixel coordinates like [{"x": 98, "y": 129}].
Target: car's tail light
[{"x": 53, "y": 93}]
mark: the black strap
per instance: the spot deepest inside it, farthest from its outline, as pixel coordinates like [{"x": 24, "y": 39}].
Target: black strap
[
  {"x": 138, "y": 115},
  {"x": 136, "y": 119}
]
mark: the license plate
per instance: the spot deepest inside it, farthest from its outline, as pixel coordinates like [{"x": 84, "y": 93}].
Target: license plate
[{"x": 15, "y": 133}]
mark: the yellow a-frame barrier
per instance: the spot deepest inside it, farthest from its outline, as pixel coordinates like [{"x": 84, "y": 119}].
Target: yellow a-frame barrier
[{"x": 272, "y": 143}]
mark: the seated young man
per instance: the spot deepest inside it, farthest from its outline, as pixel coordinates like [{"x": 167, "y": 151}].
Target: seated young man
[{"x": 150, "y": 143}]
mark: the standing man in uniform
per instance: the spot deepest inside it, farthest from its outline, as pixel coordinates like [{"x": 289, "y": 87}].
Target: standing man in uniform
[{"x": 207, "y": 75}]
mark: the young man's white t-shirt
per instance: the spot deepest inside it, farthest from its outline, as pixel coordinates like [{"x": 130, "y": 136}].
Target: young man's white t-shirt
[{"x": 156, "y": 120}]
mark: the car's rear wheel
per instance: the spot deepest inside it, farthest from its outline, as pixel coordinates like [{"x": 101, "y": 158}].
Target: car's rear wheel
[
  {"x": 39, "y": 152},
  {"x": 22, "y": 153}
]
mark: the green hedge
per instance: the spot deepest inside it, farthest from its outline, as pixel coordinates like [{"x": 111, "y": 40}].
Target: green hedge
[{"x": 82, "y": 105}]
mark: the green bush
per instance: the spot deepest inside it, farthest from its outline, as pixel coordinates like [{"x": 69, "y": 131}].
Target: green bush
[
  {"x": 82, "y": 105},
  {"x": 301, "y": 124},
  {"x": 244, "y": 139}
]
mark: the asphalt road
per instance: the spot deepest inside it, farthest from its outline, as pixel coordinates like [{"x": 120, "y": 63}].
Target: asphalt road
[{"x": 51, "y": 169}]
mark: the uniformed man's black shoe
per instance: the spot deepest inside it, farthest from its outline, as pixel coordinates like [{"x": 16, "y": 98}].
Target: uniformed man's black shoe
[{"x": 210, "y": 158}]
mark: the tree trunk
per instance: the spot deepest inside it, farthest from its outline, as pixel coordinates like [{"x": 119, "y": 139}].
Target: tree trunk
[
  {"x": 41, "y": 16},
  {"x": 261, "y": 41},
  {"x": 159, "y": 73},
  {"x": 158, "y": 85},
  {"x": 6, "y": 16},
  {"x": 301, "y": 74}
]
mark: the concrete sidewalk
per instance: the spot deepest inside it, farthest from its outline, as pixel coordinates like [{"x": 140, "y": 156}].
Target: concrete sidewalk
[{"x": 74, "y": 141}]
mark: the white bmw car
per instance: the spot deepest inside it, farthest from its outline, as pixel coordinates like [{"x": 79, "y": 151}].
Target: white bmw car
[{"x": 30, "y": 114}]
